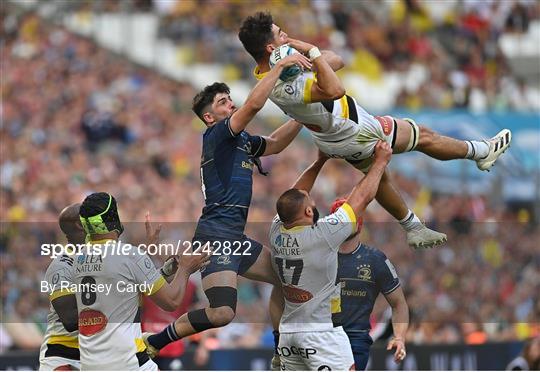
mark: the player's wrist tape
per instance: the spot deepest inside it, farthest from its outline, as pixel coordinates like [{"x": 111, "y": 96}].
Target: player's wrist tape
[{"x": 314, "y": 53}]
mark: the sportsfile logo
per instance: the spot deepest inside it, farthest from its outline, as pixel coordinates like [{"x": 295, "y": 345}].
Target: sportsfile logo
[{"x": 112, "y": 248}]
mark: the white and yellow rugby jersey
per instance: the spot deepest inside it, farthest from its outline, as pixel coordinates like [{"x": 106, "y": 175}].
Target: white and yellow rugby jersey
[
  {"x": 306, "y": 261},
  {"x": 328, "y": 121},
  {"x": 109, "y": 314},
  {"x": 57, "y": 341}
]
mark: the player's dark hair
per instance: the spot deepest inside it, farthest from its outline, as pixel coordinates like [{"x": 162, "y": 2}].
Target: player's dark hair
[
  {"x": 206, "y": 97},
  {"x": 290, "y": 204},
  {"x": 255, "y": 33}
]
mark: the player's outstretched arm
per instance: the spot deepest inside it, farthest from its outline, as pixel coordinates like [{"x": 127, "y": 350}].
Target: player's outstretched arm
[
  {"x": 170, "y": 295},
  {"x": 281, "y": 137},
  {"x": 328, "y": 85},
  {"x": 400, "y": 323},
  {"x": 307, "y": 178},
  {"x": 364, "y": 192},
  {"x": 258, "y": 96},
  {"x": 66, "y": 308}
]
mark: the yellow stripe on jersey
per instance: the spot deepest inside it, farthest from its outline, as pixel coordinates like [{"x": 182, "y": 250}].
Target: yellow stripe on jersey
[
  {"x": 335, "y": 305},
  {"x": 156, "y": 286},
  {"x": 69, "y": 341},
  {"x": 139, "y": 344},
  {"x": 344, "y": 107},
  {"x": 60, "y": 293},
  {"x": 307, "y": 90},
  {"x": 348, "y": 209}
]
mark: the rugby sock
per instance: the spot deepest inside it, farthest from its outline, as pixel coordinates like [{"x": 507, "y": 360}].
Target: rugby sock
[
  {"x": 476, "y": 150},
  {"x": 165, "y": 337},
  {"x": 410, "y": 221}
]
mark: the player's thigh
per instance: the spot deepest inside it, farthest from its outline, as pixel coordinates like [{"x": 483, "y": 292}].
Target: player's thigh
[
  {"x": 289, "y": 357},
  {"x": 226, "y": 278},
  {"x": 404, "y": 135},
  {"x": 360, "y": 344},
  {"x": 328, "y": 351},
  {"x": 260, "y": 268}
]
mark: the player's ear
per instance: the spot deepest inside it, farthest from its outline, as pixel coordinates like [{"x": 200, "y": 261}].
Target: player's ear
[
  {"x": 270, "y": 48},
  {"x": 208, "y": 118}
]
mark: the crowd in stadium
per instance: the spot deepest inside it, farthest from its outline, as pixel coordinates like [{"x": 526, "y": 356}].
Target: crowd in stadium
[
  {"x": 446, "y": 51},
  {"x": 77, "y": 119}
]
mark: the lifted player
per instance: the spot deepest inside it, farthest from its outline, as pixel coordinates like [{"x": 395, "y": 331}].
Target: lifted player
[{"x": 343, "y": 129}]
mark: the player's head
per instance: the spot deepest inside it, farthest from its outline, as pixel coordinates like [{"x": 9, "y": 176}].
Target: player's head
[
  {"x": 260, "y": 36},
  {"x": 335, "y": 206},
  {"x": 213, "y": 103},
  {"x": 296, "y": 207},
  {"x": 70, "y": 224},
  {"x": 99, "y": 215}
]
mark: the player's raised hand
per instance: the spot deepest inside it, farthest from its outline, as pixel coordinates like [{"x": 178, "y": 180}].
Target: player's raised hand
[
  {"x": 295, "y": 59},
  {"x": 299, "y": 45},
  {"x": 192, "y": 262},
  {"x": 383, "y": 152},
  {"x": 399, "y": 344},
  {"x": 152, "y": 236}
]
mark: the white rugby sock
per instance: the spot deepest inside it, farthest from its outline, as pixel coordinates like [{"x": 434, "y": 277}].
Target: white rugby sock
[
  {"x": 410, "y": 221},
  {"x": 476, "y": 150}
]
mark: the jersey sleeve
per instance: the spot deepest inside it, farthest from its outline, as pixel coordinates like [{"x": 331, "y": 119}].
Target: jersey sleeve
[
  {"x": 295, "y": 91},
  {"x": 144, "y": 271},
  {"x": 257, "y": 145},
  {"x": 386, "y": 276},
  {"x": 221, "y": 131},
  {"x": 59, "y": 276},
  {"x": 338, "y": 226}
]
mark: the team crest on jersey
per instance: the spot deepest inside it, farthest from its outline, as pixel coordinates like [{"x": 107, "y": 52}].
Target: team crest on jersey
[
  {"x": 91, "y": 322},
  {"x": 223, "y": 260},
  {"x": 296, "y": 295},
  {"x": 289, "y": 89},
  {"x": 364, "y": 272}
]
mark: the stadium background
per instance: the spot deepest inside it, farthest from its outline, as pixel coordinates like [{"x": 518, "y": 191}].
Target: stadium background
[{"x": 96, "y": 95}]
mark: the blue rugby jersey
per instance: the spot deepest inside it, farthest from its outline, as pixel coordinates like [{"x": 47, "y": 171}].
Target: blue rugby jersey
[
  {"x": 227, "y": 178},
  {"x": 363, "y": 274}
]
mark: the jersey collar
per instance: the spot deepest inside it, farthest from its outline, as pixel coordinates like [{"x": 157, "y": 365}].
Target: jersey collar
[{"x": 259, "y": 75}]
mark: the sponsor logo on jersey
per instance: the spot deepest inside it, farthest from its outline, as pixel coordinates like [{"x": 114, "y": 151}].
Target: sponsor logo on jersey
[
  {"x": 293, "y": 350},
  {"x": 386, "y": 124},
  {"x": 289, "y": 89},
  {"x": 296, "y": 295},
  {"x": 91, "y": 322},
  {"x": 89, "y": 263}
]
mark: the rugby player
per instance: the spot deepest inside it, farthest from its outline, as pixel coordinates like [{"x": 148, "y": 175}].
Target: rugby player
[
  {"x": 228, "y": 156},
  {"x": 343, "y": 129},
  {"x": 60, "y": 348},
  {"x": 110, "y": 320},
  {"x": 305, "y": 256},
  {"x": 363, "y": 273}
]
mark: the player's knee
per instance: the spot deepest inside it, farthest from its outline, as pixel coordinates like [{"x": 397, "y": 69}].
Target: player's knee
[
  {"x": 426, "y": 137},
  {"x": 220, "y": 316},
  {"x": 222, "y": 305}
]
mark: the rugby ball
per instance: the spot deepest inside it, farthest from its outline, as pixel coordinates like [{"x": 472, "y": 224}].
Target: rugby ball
[{"x": 277, "y": 55}]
